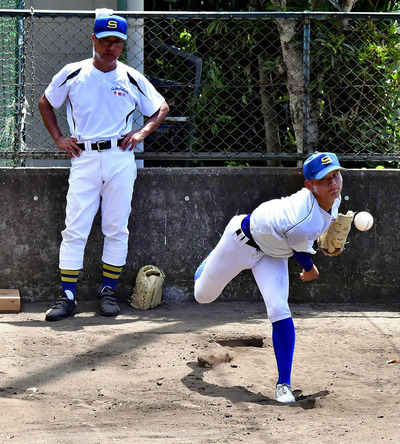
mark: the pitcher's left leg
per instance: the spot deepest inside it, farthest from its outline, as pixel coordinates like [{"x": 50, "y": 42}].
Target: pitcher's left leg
[{"x": 225, "y": 262}]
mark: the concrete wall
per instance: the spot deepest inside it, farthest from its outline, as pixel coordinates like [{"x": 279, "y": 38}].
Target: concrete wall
[{"x": 178, "y": 216}]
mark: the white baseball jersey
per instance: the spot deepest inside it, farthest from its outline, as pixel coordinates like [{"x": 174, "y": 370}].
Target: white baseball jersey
[
  {"x": 100, "y": 104},
  {"x": 280, "y": 226}
]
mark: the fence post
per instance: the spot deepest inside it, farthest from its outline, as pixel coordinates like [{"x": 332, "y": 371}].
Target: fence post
[
  {"x": 135, "y": 58},
  {"x": 306, "y": 74},
  {"x": 20, "y": 92}
]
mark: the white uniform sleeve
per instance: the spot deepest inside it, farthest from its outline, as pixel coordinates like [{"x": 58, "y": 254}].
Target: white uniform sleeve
[{"x": 57, "y": 92}]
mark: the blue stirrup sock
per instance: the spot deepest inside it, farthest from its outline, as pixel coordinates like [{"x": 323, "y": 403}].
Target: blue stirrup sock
[
  {"x": 111, "y": 275},
  {"x": 69, "y": 278},
  {"x": 283, "y": 340}
]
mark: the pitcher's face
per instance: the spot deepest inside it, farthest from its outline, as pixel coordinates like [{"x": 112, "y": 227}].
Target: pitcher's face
[{"x": 327, "y": 189}]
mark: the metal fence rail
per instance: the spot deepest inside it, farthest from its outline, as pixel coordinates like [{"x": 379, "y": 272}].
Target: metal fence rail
[{"x": 242, "y": 87}]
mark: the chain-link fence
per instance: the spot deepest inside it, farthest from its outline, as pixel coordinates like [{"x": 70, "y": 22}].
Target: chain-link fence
[
  {"x": 243, "y": 88},
  {"x": 9, "y": 74}
]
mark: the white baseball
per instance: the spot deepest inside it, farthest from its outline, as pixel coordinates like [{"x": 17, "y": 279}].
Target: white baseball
[{"x": 363, "y": 221}]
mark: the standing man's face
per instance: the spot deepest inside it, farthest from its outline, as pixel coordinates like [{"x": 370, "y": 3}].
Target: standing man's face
[{"x": 107, "y": 50}]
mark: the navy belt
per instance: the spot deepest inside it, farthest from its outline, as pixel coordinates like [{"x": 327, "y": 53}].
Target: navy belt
[
  {"x": 101, "y": 145},
  {"x": 245, "y": 229},
  {"x": 249, "y": 242}
]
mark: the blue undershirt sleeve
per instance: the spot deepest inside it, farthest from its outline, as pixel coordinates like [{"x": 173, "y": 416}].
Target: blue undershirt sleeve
[{"x": 304, "y": 259}]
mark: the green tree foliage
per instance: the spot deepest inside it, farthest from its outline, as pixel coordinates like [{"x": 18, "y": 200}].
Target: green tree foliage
[
  {"x": 354, "y": 88},
  {"x": 357, "y": 85}
]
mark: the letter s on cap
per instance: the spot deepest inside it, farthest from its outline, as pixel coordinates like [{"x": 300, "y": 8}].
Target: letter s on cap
[
  {"x": 112, "y": 24},
  {"x": 325, "y": 160}
]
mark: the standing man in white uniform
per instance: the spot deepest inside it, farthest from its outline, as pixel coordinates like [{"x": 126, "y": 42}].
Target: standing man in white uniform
[
  {"x": 264, "y": 240},
  {"x": 101, "y": 95}
]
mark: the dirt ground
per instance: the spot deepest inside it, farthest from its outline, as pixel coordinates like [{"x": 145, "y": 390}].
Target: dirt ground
[{"x": 143, "y": 377}]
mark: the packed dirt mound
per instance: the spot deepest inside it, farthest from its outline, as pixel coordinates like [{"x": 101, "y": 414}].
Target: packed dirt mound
[{"x": 190, "y": 373}]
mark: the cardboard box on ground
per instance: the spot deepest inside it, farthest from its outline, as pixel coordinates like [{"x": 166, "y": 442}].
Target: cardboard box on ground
[{"x": 10, "y": 301}]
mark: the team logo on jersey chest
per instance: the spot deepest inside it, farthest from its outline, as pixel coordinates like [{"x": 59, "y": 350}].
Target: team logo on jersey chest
[{"x": 119, "y": 91}]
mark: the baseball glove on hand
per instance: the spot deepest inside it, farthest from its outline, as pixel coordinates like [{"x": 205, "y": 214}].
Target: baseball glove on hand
[
  {"x": 333, "y": 240},
  {"x": 148, "y": 288}
]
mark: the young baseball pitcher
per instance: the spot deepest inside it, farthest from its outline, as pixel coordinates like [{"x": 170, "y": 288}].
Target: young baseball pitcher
[
  {"x": 264, "y": 240},
  {"x": 101, "y": 95}
]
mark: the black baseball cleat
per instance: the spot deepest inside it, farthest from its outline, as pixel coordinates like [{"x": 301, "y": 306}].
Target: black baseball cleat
[
  {"x": 63, "y": 308},
  {"x": 108, "y": 302}
]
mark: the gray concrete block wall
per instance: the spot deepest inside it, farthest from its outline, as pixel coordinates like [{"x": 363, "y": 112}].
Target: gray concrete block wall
[{"x": 177, "y": 217}]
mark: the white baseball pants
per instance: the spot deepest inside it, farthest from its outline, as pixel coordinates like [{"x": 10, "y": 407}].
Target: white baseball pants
[
  {"x": 230, "y": 257},
  {"x": 108, "y": 176}
]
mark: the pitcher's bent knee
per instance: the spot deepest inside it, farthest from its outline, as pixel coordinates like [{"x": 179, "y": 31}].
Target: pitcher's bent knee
[
  {"x": 201, "y": 298},
  {"x": 202, "y": 295}
]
